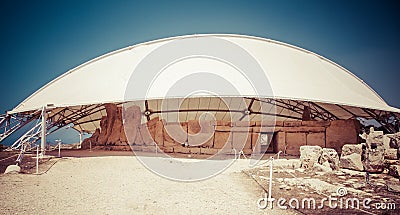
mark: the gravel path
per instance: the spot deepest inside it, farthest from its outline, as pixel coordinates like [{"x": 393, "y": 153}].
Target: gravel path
[{"x": 121, "y": 185}]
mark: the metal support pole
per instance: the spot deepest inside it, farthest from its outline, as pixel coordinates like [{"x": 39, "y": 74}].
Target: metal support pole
[
  {"x": 270, "y": 183},
  {"x": 90, "y": 145},
  {"x": 80, "y": 140},
  {"x": 43, "y": 132},
  {"x": 59, "y": 148}
]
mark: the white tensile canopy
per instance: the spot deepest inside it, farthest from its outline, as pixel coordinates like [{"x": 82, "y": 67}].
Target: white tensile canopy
[{"x": 298, "y": 78}]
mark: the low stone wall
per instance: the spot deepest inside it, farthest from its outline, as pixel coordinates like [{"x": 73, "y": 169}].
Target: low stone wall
[{"x": 207, "y": 137}]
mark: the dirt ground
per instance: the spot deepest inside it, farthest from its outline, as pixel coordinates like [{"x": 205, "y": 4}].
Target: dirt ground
[
  {"x": 115, "y": 182},
  {"x": 121, "y": 185}
]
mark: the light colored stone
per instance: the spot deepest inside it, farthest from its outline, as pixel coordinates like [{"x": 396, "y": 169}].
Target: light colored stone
[
  {"x": 352, "y": 161},
  {"x": 386, "y": 141},
  {"x": 374, "y": 152},
  {"x": 12, "y": 169},
  {"x": 330, "y": 158},
  {"x": 321, "y": 168},
  {"x": 309, "y": 156},
  {"x": 349, "y": 149}
]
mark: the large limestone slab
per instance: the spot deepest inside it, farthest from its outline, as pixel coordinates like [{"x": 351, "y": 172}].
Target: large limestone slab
[
  {"x": 342, "y": 132},
  {"x": 200, "y": 133},
  {"x": 374, "y": 152},
  {"x": 349, "y": 149},
  {"x": 309, "y": 156},
  {"x": 241, "y": 138},
  {"x": 316, "y": 139},
  {"x": 175, "y": 133},
  {"x": 294, "y": 141},
  {"x": 352, "y": 161},
  {"x": 221, "y": 139}
]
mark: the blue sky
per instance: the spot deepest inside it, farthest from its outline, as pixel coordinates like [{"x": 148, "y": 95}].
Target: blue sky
[{"x": 40, "y": 40}]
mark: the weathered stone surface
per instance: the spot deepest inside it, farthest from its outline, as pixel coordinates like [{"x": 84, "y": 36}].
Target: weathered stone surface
[
  {"x": 241, "y": 138},
  {"x": 294, "y": 141},
  {"x": 12, "y": 169},
  {"x": 349, "y": 149},
  {"x": 167, "y": 149},
  {"x": 221, "y": 139},
  {"x": 391, "y": 154},
  {"x": 292, "y": 123},
  {"x": 315, "y": 123},
  {"x": 394, "y": 170},
  {"x": 309, "y": 155},
  {"x": 374, "y": 152},
  {"x": 220, "y": 123},
  {"x": 195, "y": 150},
  {"x": 208, "y": 151},
  {"x": 146, "y": 135},
  {"x": 91, "y": 140},
  {"x": 181, "y": 149},
  {"x": 352, "y": 161},
  {"x": 281, "y": 141},
  {"x": 330, "y": 158},
  {"x": 175, "y": 134},
  {"x": 200, "y": 133},
  {"x": 386, "y": 141},
  {"x": 159, "y": 133},
  {"x": 267, "y": 123},
  {"x": 325, "y": 167},
  {"x": 316, "y": 139},
  {"x": 342, "y": 132},
  {"x": 243, "y": 124},
  {"x": 305, "y": 129}
]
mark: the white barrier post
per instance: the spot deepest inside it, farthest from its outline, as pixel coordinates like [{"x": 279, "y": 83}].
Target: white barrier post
[
  {"x": 37, "y": 159},
  {"x": 59, "y": 149},
  {"x": 270, "y": 183},
  {"x": 90, "y": 145},
  {"x": 278, "y": 154}
]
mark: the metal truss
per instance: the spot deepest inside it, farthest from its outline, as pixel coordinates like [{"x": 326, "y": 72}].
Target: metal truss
[
  {"x": 389, "y": 121},
  {"x": 11, "y": 123},
  {"x": 317, "y": 112}
]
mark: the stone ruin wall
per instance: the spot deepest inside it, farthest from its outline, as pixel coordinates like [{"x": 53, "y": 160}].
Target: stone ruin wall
[{"x": 289, "y": 135}]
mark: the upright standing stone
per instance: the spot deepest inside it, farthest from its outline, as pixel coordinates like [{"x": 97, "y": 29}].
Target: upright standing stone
[{"x": 374, "y": 152}]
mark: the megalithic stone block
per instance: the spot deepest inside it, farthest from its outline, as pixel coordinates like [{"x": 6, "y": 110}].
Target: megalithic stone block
[{"x": 132, "y": 120}]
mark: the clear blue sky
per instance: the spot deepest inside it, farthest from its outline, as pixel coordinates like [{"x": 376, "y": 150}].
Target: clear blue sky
[{"x": 40, "y": 40}]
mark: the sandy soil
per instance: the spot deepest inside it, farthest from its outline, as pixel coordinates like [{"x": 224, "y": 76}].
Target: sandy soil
[{"x": 121, "y": 185}]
